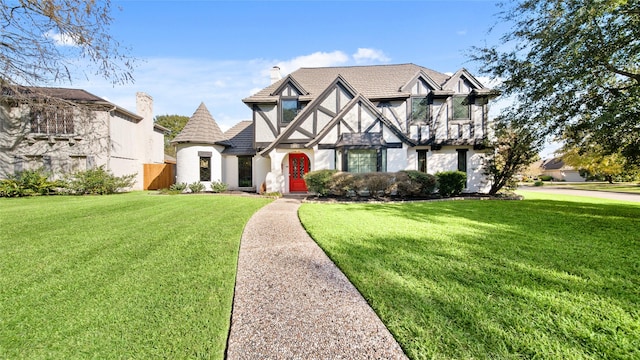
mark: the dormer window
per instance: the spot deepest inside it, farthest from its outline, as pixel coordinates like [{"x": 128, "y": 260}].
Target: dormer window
[
  {"x": 290, "y": 107},
  {"x": 419, "y": 109},
  {"x": 461, "y": 107}
]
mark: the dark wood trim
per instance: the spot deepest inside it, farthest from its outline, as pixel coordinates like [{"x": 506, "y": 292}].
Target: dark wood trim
[
  {"x": 303, "y": 132},
  {"x": 373, "y": 124},
  {"x": 394, "y": 145},
  {"x": 346, "y": 125},
  {"x": 326, "y": 111}
]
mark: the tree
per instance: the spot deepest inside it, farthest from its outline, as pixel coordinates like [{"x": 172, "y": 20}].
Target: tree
[
  {"x": 573, "y": 67},
  {"x": 175, "y": 124},
  {"x": 595, "y": 162},
  {"x": 43, "y": 40},
  {"x": 515, "y": 148}
]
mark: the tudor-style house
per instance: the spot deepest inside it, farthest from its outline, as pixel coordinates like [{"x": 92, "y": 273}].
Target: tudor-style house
[
  {"x": 357, "y": 119},
  {"x": 67, "y": 130},
  {"x": 370, "y": 118}
]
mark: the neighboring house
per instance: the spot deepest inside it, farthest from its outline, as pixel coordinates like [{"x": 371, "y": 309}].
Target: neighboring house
[
  {"x": 383, "y": 118},
  {"x": 560, "y": 171},
  {"x": 77, "y": 131}
]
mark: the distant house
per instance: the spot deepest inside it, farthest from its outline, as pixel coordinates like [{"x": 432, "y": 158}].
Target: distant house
[
  {"x": 77, "y": 131},
  {"x": 560, "y": 171},
  {"x": 357, "y": 119}
]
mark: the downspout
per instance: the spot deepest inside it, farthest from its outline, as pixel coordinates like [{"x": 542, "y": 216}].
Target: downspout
[{"x": 109, "y": 136}]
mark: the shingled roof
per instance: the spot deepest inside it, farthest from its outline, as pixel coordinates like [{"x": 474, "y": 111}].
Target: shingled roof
[
  {"x": 241, "y": 138},
  {"x": 374, "y": 82},
  {"x": 201, "y": 129}
]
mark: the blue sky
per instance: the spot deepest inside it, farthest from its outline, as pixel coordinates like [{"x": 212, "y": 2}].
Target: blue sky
[{"x": 219, "y": 52}]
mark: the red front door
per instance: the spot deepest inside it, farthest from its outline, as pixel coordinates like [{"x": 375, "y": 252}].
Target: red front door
[{"x": 298, "y": 166}]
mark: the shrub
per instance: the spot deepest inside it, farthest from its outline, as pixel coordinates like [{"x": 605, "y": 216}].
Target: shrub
[
  {"x": 376, "y": 183},
  {"x": 545, "y": 177},
  {"x": 29, "y": 182},
  {"x": 10, "y": 188},
  {"x": 538, "y": 183},
  {"x": 319, "y": 181},
  {"x": 341, "y": 184},
  {"x": 451, "y": 183},
  {"x": 414, "y": 183},
  {"x": 218, "y": 186},
  {"x": 178, "y": 187},
  {"x": 98, "y": 181},
  {"x": 196, "y": 187}
]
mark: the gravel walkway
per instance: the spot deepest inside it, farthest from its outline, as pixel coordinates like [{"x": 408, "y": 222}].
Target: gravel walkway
[{"x": 292, "y": 302}]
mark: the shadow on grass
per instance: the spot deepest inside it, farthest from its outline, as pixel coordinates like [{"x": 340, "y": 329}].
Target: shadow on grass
[{"x": 535, "y": 278}]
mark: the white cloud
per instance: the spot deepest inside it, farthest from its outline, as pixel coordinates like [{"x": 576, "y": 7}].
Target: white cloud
[
  {"x": 317, "y": 59},
  {"x": 365, "y": 55},
  {"x": 179, "y": 85},
  {"x": 461, "y": 32},
  {"x": 60, "y": 39}
]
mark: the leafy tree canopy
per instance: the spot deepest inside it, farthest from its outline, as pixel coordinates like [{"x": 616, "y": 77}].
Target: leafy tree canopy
[
  {"x": 515, "y": 148},
  {"x": 573, "y": 67},
  {"x": 43, "y": 40},
  {"x": 594, "y": 162},
  {"x": 175, "y": 124}
]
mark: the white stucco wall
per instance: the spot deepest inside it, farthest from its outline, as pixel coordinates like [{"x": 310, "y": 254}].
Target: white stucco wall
[
  {"x": 230, "y": 171},
  {"x": 188, "y": 163},
  {"x": 396, "y": 159},
  {"x": 261, "y": 167},
  {"x": 446, "y": 159}
]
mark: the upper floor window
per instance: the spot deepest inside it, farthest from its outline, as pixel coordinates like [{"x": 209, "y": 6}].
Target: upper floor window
[
  {"x": 290, "y": 107},
  {"x": 52, "y": 120},
  {"x": 419, "y": 108},
  {"x": 461, "y": 107}
]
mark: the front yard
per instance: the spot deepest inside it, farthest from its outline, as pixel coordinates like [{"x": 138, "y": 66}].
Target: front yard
[
  {"x": 547, "y": 277},
  {"x": 122, "y": 276}
]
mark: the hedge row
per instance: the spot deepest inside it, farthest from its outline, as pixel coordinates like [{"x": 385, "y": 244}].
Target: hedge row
[
  {"x": 96, "y": 181},
  {"x": 404, "y": 184}
]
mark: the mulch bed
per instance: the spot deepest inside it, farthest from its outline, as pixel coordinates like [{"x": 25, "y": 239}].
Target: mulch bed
[{"x": 397, "y": 199}]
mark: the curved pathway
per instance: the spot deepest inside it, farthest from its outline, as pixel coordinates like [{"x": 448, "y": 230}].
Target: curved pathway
[{"x": 292, "y": 302}]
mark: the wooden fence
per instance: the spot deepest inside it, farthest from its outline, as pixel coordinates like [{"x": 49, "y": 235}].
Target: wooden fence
[{"x": 158, "y": 176}]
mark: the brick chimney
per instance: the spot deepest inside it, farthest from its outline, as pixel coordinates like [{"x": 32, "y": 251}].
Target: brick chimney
[{"x": 275, "y": 74}]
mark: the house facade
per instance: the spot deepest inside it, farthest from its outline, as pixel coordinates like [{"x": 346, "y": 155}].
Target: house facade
[
  {"x": 68, "y": 130},
  {"x": 556, "y": 168},
  {"x": 383, "y": 118}
]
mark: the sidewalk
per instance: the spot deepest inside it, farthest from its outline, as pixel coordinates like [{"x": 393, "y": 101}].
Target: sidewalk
[
  {"x": 590, "y": 193},
  {"x": 292, "y": 302}
]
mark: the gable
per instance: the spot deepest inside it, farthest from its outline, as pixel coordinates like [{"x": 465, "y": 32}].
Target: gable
[
  {"x": 289, "y": 87},
  {"x": 316, "y": 115}
]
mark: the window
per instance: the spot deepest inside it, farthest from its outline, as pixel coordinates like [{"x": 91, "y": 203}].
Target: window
[
  {"x": 461, "y": 107},
  {"x": 462, "y": 160},
  {"x": 363, "y": 161},
  {"x": 422, "y": 161},
  {"x": 419, "y": 108},
  {"x": 244, "y": 171},
  {"x": 52, "y": 120},
  {"x": 205, "y": 168},
  {"x": 290, "y": 108}
]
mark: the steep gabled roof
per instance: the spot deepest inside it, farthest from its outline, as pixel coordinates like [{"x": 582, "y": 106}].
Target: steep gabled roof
[
  {"x": 373, "y": 82},
  {"x": 201, "y": 129}
]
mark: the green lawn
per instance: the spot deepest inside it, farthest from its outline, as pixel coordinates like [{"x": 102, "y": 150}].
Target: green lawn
[
  {"x": 124, "y": 276},
  {"x": 549, "y": 277}
]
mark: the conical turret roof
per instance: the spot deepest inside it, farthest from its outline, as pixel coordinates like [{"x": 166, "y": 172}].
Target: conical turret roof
[{"x": 202, "y": 129}]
